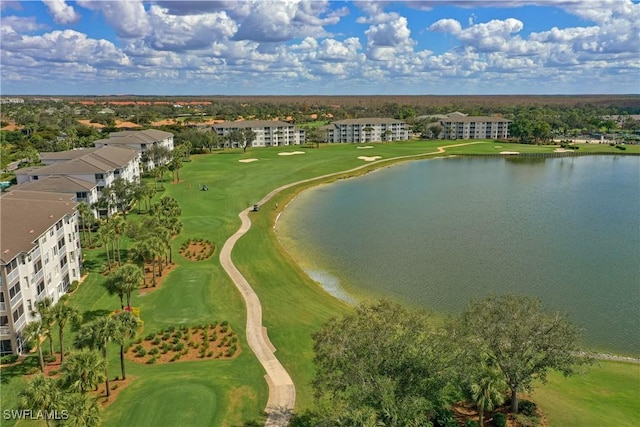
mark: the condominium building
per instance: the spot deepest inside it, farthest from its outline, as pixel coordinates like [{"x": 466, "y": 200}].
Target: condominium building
[
  {"x": 366, "y": 130},
  {"x": 40, "y": 256},
  {"x": 461, "y": 126},
  {"x": 84, "y": 191},
  {"x": 142, "y": 141},
  {"x": 268, "y": 132}
]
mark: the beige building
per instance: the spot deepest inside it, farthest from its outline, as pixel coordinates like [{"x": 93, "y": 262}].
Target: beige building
[
  {"x": 40, "y": 256},
  {"x": 141, "y": 141}
]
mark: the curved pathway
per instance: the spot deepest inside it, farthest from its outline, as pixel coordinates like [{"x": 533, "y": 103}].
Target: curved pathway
[{"x": 282, "y": 391}]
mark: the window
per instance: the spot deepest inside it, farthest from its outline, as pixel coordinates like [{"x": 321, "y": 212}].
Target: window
[
  {"x": 81, "y": 195},
  {"x": 4, "y": 320},
  {"x": 40, "y": 288},
  {"x": 99, "y": 176},
  {"x": 46, "y": 258},
  {"x": 59, "y": 225},
  {"x": 51, "y": 232},
  {"x": 29, "y": 306},
  {"x": 63, "y": 261},
  {"x": 14, "y": 290},
  {"x": 1, "y": 297},
  {"x": 11, "y": 266},
  {"x": 35, "y": 177},
  {"x": 18, "y": 313},
  {"x": 54, "y": 250},
  {"x": 37, "y": 266},
  {"x": 100, "y": 188},
  {"x": 61, "y": 243},
  {"x": 44, "y": 239}
]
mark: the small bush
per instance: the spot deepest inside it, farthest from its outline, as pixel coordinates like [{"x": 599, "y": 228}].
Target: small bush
[
  {"x": 166, "y": 346},
  {"x": 154, "y": 351},
  {"x": 471, "y": 423},
  {"x": 171, "y": 329},
  {"x": 621, "y": 147},
  {"x": 528, "y": 408},
  {"x": 9, "y": 358},
  {"x": 152, "y": 360},
  {"x": 33, "y": 370},
  {"x": 50, "y": 358},
  {"x": 73, "y": 286},
  {"x": 178, "y": 347},
  {"x": 184, "y": 352},
  {"x": 166, "y": 336},
  {"x": 500, "y": 419},
  {"x": 445, "y": 418},
  {"x": 156, "y": 341},
  {"x": 138, "y": 348},
  {"x": 138, "y": 341},
  {"x": 178, "y": 334},
  {"x": 142, "y": 352},
  {"x": 175, "y": 340},
  {"x": 214, "y": 337},
  {"x": 224, "y": 329},
  {"x": 114, "y": 387},
  {"x": 149, "y": 337},
  {"x": 175, "y": 357},
  {"x": 210, "y": 353},
  {"x": 224, "y": 323},
  {"x": 523, "y": 420},
  {"x": 53, "y": 372}
]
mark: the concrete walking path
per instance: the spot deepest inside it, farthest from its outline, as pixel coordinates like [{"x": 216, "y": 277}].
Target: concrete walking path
[{"x": 282, "y": 391}]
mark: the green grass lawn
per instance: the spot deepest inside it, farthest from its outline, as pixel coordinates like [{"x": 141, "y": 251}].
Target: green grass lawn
[{"x": 233, "y": 392}]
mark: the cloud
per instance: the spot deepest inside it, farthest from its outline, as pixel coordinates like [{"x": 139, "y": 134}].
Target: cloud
[
  {"x": 18, "y": 24},
  {"x": 128, "y": 18},
  {"x": 62, "y": 12}
]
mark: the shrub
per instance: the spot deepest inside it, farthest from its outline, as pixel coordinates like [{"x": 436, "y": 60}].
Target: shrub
[
  {"x": 156, "y": 341},
  {"x": 50, "y": 358},
  {"x": 73, "y": 286},
  {"x": 166, "y": 346},
  {"x": 53, "y": 372},
  {"x": 166, "y": 336},
  {"x": 154, "y": 351},
  {"x": 214, "y": 337},
  {"x": 175, "y": 340},
  {"x": 523, "y": 420},
  {"x": 33, "y": 370},
  {"x": 196, "y": 345},
  {"x": 178, "y": 334},
  {"x": 527, "y": 408},
  {"x": 210, "y": 353},
  {"x": 114, "y": 387},
  {"x": 184, "y": 352},
  {"x": 186, "y": 336},
  {"x": 445, "y": 418},
  {"x": 224, "y": 323},
  {"x": 138, "y": 348},
  {"x": 471, "y": 423},
  {"x": 178, "y": 347},
  {"x": 175, "y": 357},
  {"x": 138, "y": 341},
  {"x": 621, "y": 147},
  {"x": 9, "y": 358},
  {"x": 224, "y": 329},
  {"x": 142, "y": 352},
  {"x": 171, "y": 328},
  {"x": 152, "y": 360},
  {"x": 500, "y": 419},
  {"x": 149, "y": 337}
]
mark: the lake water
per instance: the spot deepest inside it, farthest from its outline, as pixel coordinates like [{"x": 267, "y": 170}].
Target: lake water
[{"x": 439, "y": 232}]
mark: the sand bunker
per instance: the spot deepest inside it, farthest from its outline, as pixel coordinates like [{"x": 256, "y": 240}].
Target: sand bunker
[
  {"x": 561, "y": 150},
  {"x": 365, "y": 147},
  {"x": 509, "y": 152},
  {"x": 497, "y": 146},
  {"x": 369, "y": 158},
  {"x": 248, "y": 160},
  {"x": 290, "y": 153}
]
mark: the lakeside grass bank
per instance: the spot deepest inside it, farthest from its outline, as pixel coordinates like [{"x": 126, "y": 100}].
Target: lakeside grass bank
[{"x": 294, "y": 306}]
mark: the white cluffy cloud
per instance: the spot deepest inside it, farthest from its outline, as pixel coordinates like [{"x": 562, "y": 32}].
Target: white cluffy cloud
[{"x": 62, "y": 12}]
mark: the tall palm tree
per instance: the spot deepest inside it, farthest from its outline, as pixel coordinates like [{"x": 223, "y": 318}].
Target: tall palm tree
[
  {"x": 42, "y": 393},
  {"x": 97, "y": 334},
  {"x": 487, "y": 391},
  {"x": 127, "y": 328},
  {"x": 103, "y": 236},
  {"x": 62, "y": 313},
  {"x": 117, "y": 225},
  {"x": 86, "y": 218},
  {"x": 33, "y": 334},
  {"x": 42, "y": 310},
  {"x": 83, "y": 370},
  {"x": 83, "y": 410}
]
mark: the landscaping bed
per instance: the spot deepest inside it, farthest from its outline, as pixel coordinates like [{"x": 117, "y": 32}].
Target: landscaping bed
[
  {"x": 213, "y": 341},
  {"x": 197, "y": 249}
]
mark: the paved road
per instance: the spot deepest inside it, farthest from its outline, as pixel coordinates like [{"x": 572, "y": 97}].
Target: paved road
[{"x": 282, "y": 391}]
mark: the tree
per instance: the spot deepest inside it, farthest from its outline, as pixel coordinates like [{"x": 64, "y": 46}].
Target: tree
[
  {"x": 86, "y": 218},
  {"x": 383, "y": 361},
  {"x": 125, "y": 280},
  {"x": 367, "y": 131},
  {"x": 83, "y": 410},
  {"x": 521, "y": 339},
  {"x": 149, "y": 248},
  {"x": 434, "y": 131},
  {"x": 33, "y": 334},
  {"x": 158, "y": 155},
  {"x": 97, "y": 334},
  {"x": 247, "y": 136},
  {"x": 127, "y": 325},
  {"x": 106, "y": 235},
  {"x": 487, "y": 390},
  {"x": 123, "y": 194},
  {"x": 42, "y": 310},
  {"x": 42, "y": 394},
  {"x": 83, "y": 370},
  {"x": 62, "y": 313}
]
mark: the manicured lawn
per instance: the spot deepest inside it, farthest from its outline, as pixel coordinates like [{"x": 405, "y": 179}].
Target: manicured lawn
[
  {"x": 233, "y": 392},
  {"x": 607, "y": 395}
]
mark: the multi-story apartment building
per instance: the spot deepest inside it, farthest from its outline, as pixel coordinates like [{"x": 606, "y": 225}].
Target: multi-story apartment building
[
  {"x": 269, "y": 133},
  {"x": 84, "y": 191},
  {"x": 40, "y": 256},
  {"x": 460, "y": 126},
  {"x": 142, "y": 141},
  {"x": 99, "y": 166},
  {"x": 366, "y": 130}
]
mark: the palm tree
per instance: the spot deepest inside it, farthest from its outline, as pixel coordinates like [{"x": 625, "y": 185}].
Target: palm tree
[
  {"x": 105, "y": 236},
  {"x": 33, "y": 334},
  {"x": 125, "y": 280},
  {"x": 83, "y": 370},
  {"x": 127, "y": 327},
  {"x": 149, "y": 248},
  {"x": 117, "y": 225},
  {"x": 63, "y": 313},
  {"x": 367, "y": 130},
  {"x": 97, "y": 334},
  {"x": 83, "y": 410},
  {"x": 487, "y": 391},
  {"x": 86, "y": 217},
  {"x": 42, "y": 393},
  {"x": 42, "y": 310}
]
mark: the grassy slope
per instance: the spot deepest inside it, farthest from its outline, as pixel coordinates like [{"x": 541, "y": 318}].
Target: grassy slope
[{"x": 234, "y": 392}]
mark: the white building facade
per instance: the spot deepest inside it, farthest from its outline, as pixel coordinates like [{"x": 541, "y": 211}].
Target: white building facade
[
  {"x": 460, "y": 126},
  {"x": 142, "y": 141},
  {"x": 40, "y": 257},
  {"x": 367, "y": 130},
  {"x": 268, "y": 133}
]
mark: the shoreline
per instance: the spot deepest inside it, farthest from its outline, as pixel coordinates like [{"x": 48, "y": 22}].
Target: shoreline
[{"x": 336, "y": 290}]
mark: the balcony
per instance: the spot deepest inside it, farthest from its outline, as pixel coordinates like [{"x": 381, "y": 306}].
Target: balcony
[
  {"x": 3, "y": 306},
  {"x": 16, "y": 298},
  {"x": 5, "y": 330},
  {"x": 20, "y": 323}
]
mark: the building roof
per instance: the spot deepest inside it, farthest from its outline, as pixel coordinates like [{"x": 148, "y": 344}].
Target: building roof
[
  {"x": 367, "y": 121},
  {"x": 100, "y": 160},
  {"x": 252, "y": 124},
  {"x": 65, "y": 155},
  {"x": 139, "y": 136},
  {"x": 26, "y": 215},
  {"x": 57, "y": 184},
  {"x": 475, "y": 119}
]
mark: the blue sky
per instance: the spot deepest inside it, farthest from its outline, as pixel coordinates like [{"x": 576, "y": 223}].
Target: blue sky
[{"x": 302, "y": 47}]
